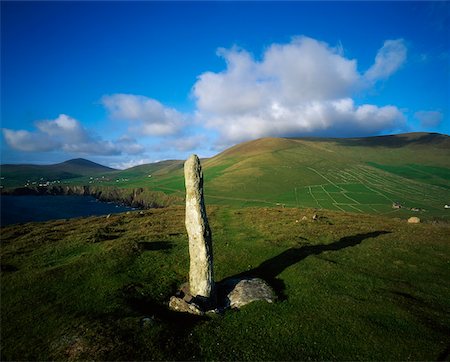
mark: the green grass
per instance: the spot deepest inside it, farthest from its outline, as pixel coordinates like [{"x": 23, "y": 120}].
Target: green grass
[
  {"x": 323, "y": 174},
  {"x": 350, "y": 287},
  {"x": 434, "y": 175}
]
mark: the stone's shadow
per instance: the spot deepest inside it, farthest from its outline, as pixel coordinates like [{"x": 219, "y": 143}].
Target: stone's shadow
[
  {"x": 155, "y": 245},
  {"x": 8, "y": 268},
  {"x": 173, "y": 328},
  {"x": 134, "y": 298},
  {"x": 270, "y": 269},
  {"x": 444, "y": 356}
]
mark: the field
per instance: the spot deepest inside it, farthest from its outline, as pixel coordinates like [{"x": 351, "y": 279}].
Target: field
[{"x": 350, "y": 287}]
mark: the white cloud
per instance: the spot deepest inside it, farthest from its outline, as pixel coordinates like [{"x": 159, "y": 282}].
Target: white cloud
[
  {"x": 429, "y": 118},
  {"x": 67, "y": 134},
  {"x": 303, "y": 87},
  {"x": 62, "y": 126},
  {"x": 307, "y": 69},
  {"x": 130, "y": 163},
  {"x": 340, "y": 118},
  {"x": 388, "y": 60},
  {"x": 129, "y": 145},
  {"x": 27, "y": 141},
  {"x": 300, "y": 71},
  {"x": 153, "y": 118},
  {"x": 235, "y": 91},
  {"x": 187, "y": 143}
]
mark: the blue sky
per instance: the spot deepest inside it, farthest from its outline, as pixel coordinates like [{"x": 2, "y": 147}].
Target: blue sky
[{"x": 124, "y": 83}]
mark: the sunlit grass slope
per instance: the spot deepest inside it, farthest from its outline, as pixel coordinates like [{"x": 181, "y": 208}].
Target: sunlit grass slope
[
  {"x": 354, "y": 175},
  {"x": 350, "y": 287}
]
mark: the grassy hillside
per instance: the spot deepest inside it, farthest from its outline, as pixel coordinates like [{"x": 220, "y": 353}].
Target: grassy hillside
[
  {"x": 349, "y": 286},
  {"x": 20, "y": 175},
  {"x": 362, "y": 175},
  {"x": 354, "y": 175}
]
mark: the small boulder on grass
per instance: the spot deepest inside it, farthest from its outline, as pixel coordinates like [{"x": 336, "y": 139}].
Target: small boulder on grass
[
  {"x": 413, "y": 220},
  {"x": 244, "y": 291}
]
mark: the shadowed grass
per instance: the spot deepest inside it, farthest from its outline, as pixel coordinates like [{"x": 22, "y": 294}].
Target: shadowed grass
[{"x": 351, "y": 287}]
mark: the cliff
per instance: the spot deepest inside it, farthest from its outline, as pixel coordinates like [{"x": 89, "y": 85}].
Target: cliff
[{"x": 136, "y": 197}]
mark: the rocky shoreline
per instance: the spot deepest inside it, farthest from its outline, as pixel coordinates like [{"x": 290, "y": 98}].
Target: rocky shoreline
[{"x": 136, "y": 197}]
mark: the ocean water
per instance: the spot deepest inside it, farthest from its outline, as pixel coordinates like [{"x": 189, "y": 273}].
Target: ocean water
[{"x": 20, "y": 209}]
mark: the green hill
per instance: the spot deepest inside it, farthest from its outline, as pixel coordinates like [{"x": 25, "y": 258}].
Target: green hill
[
  {"x": 20, "y": 175},
  {"x": 364, "y": 175}
]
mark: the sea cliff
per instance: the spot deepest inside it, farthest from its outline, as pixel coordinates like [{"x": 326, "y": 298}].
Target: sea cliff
[{"x": 134, "y": 197}]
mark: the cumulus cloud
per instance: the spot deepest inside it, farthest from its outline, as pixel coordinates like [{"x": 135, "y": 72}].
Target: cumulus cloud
[
  {"x": 131, "y": 163},
  {"x": 28, "y": 141},
  {"x": 186, "y": 143},
  {"x": 388, "y": 60},
  {"x": 129, "y": 145},
  {"x": 429, "y": 118},
  {"x": 154, "y": 118},
  {"x": 67, "y": 134},
  {"x": 339, "y": 117},
  {"x": 303, "y": 87}
]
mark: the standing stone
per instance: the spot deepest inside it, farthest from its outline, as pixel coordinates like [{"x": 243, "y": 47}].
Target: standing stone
[{"x": 201, "y": 283}]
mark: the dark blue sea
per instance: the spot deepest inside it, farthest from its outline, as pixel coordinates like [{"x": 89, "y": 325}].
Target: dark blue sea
[{"x": 20, "y": 209}]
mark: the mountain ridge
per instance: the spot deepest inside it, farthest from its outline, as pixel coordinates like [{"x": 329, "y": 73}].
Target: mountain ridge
[
  {"x": 14, "y": 175},
  {"x": 391, "y": 140}
]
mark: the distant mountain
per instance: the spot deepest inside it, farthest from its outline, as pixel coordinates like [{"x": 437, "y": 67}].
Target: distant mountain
[
  {"x": 14, "y": 175},
  {"x": 82, "y": 166}
]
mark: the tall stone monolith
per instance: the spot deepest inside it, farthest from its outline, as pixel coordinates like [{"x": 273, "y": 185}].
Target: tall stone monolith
[{"x": 201, "y": 283}]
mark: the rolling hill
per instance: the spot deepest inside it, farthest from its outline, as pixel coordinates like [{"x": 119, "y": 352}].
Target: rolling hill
[
  {"x": 19, "y": 175},
  {"x": 365, "y": 175}
]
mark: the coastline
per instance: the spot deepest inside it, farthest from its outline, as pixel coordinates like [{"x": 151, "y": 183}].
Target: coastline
[{"x": 139, "y": 198}]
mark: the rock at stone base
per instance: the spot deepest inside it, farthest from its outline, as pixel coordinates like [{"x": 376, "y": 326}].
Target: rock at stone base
[
  {"x": 185, "y": 293},
  {"x": 246, "y": 291},
  {"x": 180, "y": 305},
  {"x": 413, "y": 220}
]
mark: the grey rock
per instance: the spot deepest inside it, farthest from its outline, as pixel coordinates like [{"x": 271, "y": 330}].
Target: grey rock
[
  {"x": 246, "y": 291},
  {"x": 201, "y": 282},
  {"x": 180, "y": 305}
]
